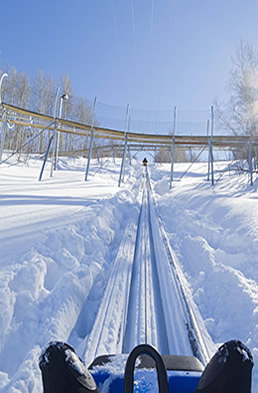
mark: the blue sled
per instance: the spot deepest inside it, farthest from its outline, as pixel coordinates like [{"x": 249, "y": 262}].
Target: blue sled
[
  {"x": 145, "y": 370},
  {"x": 181, "y": 372}
]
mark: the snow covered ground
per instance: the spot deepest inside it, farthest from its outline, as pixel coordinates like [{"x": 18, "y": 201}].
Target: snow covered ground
[{"x": 60, "y": 236}]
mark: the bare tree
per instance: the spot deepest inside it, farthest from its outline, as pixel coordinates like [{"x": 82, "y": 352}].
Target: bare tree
[
  {"x": 40, "y": 96},
  {"x": 240, "y": 114},
  {"x": 82, "y": 111},
  {"x": 11, "y": 89},
  {"x": 83, "y": 114},
  {"x": 23, "y": 101},
  {"x": 50, "y": 94},
  {"x": 67, "y": 111},
  {"x": 44, "y": 91},
  {"x": 4, "y": 89},
  {"x": 39, "y": 84},
  {"x": 163, "y": 155},
  {"x": 23, "y": 91}
]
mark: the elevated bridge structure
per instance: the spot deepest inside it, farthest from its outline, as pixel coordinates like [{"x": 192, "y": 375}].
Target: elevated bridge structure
[
  {"x": 30, "y": 119},
  {"x": 108, "y": 139}
]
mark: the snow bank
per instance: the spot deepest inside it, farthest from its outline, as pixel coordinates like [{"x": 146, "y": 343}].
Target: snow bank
[
  {"x": 214, "y": 232},
  {"x": 60, "y": 236},
  {"x": 58, "y": 240}
]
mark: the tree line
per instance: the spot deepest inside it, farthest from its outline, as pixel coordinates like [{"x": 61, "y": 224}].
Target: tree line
[
  {"x": 239, "y": 115},
  {"x": 39, "y": 94}
]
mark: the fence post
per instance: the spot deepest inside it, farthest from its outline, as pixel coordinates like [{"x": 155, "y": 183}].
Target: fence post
[
  {"x": 91, "y": 139},
  {"x": 121, "y": 176},
  {"x": 173, "y": 150}
]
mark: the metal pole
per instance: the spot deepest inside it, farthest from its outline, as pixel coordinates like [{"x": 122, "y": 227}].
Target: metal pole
[
  {"x": 55, "y": 132},
  {"x": 1, "y": 82},
  {"x": 50, "y": 140},
  {"x": 251, "y": 161},
  {"x": 3, "y": 120},
  {"x": 45, "y": 159},
  {"x": 91, "y": 139},
  {"x": 25, "y": 144},
  {"x": 58, "y": 133},
  {"x": 121, "y": 176},
  {"x": 54, "y": 149},
  {"x": 130, "y": 157},
  {"x": 211, "y": 146},
  {"x": 56, "y": 100},
  {"x": 3, "y": 133},
  {"x": 173, "y": 150},
  {"x": 208, "y": 129},
  {"x": 127, "y": 150},
  {"x": 113, "y": 153}
]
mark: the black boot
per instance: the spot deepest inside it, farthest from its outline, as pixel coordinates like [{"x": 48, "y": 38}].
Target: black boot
[
  {"x": 64, "y": 372},
  {"x": 229, "y": 371}
]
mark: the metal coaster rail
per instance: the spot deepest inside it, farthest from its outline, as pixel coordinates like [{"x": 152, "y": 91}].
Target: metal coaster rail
[
  {"x": 24, "y": 117},
  {"x": 144, "y": 294},
  {"x": 119, "y": 141}
]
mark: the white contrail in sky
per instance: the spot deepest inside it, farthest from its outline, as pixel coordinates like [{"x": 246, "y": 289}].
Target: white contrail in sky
[
  {"x": 133, "y": 27},
  {"x": 115, "y": 22},
  {"x": 152, "y": 13}
]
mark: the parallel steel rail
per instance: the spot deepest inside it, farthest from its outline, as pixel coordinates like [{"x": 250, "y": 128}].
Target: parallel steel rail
[{"x": 27, "y": 118}]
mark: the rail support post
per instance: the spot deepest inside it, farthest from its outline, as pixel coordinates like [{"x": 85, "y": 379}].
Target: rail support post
[
  {"x": 45, "y": 158},
  {"x": 121, "y": 176},
  {"x": 211, "y": 148},
  {"x": 63, "y": 98},
  {"x": 113, "y": 154},
  {"x": 208, "y": 143},
  {"x": 3, "y": 134},
  {"x": 91, "y": 139},
  {"x": 250, "y": 159},
  {"x": 173, "y": 150},
  {"x": 5, "y": 75},
  {"x": 130, "y": 157},
  {"x": 53, "y": 139},
  {"x": 54, "y": 136},
  {"x": 3, "y": 120}
]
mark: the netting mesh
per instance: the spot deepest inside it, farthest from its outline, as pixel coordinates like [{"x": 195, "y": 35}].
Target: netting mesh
[
  {"x": 188, "y": 122},
  {"x": 141, "y": 121}
]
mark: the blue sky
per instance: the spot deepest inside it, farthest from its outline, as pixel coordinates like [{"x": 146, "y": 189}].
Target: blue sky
[{"x": 148, "y": 53}]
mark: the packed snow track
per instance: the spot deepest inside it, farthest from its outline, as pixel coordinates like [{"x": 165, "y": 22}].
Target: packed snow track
[{"x": 145, "y": 300}]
